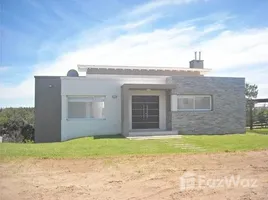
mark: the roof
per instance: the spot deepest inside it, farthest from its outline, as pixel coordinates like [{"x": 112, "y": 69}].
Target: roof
[{"x": 110, "y": 69}]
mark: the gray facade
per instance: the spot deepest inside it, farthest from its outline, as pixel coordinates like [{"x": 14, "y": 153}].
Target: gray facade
[
  {"x": 47, "y": 109},
  {"x": 228, "y": 114}
]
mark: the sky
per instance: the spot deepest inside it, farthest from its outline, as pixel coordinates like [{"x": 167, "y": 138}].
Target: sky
[{"x": 49, "y": 37}]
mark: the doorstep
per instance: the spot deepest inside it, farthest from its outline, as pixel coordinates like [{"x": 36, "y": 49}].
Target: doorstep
[
  {"x": 154, "y": 137},
  {"x": 152, "y": 133}
]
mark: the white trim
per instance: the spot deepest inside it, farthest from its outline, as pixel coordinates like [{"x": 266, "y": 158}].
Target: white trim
[
  {"x": 83, "y": 68},
  {"x": 86, "y": 99},
  {"x": 193, "y": 97},
  {"x": 194, "y": 110},
  {"x": 84, "y": 119}
]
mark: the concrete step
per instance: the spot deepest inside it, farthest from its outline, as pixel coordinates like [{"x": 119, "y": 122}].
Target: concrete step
[{"x": 152, "y": 133}]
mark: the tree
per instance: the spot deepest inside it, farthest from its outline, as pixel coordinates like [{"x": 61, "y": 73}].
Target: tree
[
  {"x": 262, "y": 116},
  {"x": 251, "y": 92},
  {"x": 17, "y": 124},
  {"x": 27, "y": 132}
]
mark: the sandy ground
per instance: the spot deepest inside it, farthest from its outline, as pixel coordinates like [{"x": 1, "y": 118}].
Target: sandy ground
[{"x": 138, "y": 177}]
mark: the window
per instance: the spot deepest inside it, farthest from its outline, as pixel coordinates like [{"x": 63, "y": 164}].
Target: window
[
  {"x": 194, "y": 102},
  {"x": 86, "y": 107}
]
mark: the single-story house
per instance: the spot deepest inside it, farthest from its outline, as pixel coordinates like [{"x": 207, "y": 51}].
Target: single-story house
[{"x": 135, "y": 101}]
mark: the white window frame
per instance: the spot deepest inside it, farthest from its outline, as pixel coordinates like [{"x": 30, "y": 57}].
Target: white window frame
[
  {"x": 193, "y": 97},
  {"x": 87, "y": 99}
]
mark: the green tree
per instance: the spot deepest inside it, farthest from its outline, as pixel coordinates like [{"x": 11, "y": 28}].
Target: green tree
[
  {"x": 17, "y": 123},
  {"x": 251, "y": 92},
  {"x": 262, "y": 116}
]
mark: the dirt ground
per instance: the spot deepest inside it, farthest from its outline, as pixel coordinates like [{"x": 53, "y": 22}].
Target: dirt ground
[{"x": 138, "y": 177}]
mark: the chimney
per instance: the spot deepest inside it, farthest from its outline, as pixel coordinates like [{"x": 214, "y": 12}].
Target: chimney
[{"x": 199, "y": 64}]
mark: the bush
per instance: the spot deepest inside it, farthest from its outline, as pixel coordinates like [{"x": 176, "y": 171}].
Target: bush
[
  {"x": 16, "y": 124},
  {"x": 13, "y": 136},
  {"x": 27, "y": 132},
  {"x": 17, "y": 131}
]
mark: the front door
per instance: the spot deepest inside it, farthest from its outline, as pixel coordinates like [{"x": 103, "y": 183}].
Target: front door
[{"x": 145, "y": 112}]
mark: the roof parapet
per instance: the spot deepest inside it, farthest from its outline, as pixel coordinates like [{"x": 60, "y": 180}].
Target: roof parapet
[{"x": 83, "y": 68}]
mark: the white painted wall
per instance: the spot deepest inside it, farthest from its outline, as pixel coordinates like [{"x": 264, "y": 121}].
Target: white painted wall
[{"x": 106, "y": 85}]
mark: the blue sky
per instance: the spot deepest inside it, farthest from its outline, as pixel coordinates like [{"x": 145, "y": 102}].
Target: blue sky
[{"x": 50, "y": 37}]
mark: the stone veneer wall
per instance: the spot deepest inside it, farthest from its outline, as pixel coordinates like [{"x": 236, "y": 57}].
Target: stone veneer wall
[{"x": 228, "y": 114}]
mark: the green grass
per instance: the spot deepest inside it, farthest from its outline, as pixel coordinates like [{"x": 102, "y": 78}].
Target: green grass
[
  {"x": 261, "y": 131},
  {"x": 85, "y": 147}
]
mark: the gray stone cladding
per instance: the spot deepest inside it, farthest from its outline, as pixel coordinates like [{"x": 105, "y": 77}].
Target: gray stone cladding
[{"x": 228, "y": 114}]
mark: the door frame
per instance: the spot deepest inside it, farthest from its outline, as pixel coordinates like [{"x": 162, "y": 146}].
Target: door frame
[{"x": 162, "y": 107}]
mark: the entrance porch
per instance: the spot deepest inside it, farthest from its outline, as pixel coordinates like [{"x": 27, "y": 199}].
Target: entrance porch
[{"x": 146, "y": 109}]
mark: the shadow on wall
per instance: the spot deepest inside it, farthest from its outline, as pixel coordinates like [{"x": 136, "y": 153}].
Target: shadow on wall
[{"x": 108, "y": 136}]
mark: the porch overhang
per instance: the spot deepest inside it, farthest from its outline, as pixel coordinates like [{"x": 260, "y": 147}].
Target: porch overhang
[{"x": 125, "y": 101}]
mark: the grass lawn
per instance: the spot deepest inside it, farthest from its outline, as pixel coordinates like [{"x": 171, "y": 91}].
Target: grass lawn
[
  {"x": 261, "y": 131},
  {"x": 89, "y": 146}
]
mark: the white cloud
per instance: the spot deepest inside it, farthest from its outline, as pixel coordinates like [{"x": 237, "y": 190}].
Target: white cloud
[
  {"x": 237, "y": 48},
  {"x": 254, "y": 75},
  {"x": 223, "y": 49},
  {"x": 140, "y": 22},
  {"x": 22, "y": 90},
  {"x": 155, "y": 4}
]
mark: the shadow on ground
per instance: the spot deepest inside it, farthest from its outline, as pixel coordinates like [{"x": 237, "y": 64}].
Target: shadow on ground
[{"x": 109, "y": 136}]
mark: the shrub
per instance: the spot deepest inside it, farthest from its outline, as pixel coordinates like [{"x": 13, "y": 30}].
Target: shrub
[
  {"x": 27, "y": 132},
  {"x": 16, "y": 124}
]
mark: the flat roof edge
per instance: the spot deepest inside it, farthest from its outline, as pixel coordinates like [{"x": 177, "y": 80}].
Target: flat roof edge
[
  {"x": 47, "y": 76},
  {"x": 226, "y": 77},
  {"x": 83, "y": 68}
]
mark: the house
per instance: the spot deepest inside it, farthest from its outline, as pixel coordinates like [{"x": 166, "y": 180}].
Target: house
[{"x": 137, "y": 101}]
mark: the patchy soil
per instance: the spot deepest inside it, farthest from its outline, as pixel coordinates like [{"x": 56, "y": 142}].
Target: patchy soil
[{"x": 138, "y": 177}]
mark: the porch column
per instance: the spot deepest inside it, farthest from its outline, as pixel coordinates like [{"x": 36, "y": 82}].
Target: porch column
[{"x": 125, "y": 110}]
